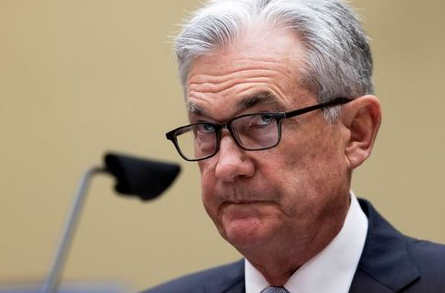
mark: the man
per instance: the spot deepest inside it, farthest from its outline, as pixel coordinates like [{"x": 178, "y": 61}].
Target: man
[{"x": 281, "y": 107}]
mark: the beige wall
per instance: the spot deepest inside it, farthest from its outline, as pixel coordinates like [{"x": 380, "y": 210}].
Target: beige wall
[{"x": 78, "y": 78}]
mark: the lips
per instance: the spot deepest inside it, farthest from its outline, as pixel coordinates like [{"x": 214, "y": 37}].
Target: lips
[{"x": 244, "y": 203}]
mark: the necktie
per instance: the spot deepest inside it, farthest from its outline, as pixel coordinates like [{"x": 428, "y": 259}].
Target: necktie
[{"x": 272, "y": 289}]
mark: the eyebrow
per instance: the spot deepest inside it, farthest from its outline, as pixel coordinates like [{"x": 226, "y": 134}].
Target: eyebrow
[{"x": 259, "y": 98}]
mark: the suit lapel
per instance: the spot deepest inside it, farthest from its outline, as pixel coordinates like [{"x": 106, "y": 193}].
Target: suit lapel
[
  {"x": 385, "y": 265},
  {"x": 364, "y": 283}
]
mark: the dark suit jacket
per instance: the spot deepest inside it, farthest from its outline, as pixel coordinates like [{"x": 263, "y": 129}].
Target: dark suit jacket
[{"x": 390, "y": 262}]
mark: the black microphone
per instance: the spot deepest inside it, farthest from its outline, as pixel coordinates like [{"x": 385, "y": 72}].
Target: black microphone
[
  {"x": 143, "y": 178},
  {"x": 146, "y": 179}
]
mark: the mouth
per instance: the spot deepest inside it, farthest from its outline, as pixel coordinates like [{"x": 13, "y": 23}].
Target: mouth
[
  {"x": 243, "y": 202},
  {"x": 239, "y": 213}
]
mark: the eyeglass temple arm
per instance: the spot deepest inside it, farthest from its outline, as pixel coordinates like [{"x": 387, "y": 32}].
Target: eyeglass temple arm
[{"x": 334, "y": 102}]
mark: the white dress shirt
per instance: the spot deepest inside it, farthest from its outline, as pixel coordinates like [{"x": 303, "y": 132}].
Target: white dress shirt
[{"x": 331, "y": 270}]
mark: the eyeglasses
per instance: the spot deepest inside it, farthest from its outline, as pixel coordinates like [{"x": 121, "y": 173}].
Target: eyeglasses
[{"x": 251, "y": 132}]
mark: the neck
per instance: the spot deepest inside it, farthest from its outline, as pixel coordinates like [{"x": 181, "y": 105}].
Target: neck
[{"x": 277, "y": 263}]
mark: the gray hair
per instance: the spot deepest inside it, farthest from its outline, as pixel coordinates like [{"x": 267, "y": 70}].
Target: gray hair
[{"x": 338, "y": 59}]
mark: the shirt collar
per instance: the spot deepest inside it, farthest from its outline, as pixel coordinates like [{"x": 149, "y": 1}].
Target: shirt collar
[{"x": 332, "y": 269}]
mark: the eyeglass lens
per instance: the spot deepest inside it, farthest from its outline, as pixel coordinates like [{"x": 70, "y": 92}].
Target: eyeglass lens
[{"x": 251, "y": 132}]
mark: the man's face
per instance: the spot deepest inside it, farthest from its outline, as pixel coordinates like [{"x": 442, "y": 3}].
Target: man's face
[{"x": 294, "y": 195}]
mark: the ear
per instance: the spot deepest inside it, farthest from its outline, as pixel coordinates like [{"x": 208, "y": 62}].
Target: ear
[{"x": 362, "y": 118}]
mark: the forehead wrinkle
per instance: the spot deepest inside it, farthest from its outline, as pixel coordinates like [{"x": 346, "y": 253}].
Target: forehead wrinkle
[
  {"x": 236, "y": 67},
  {"x": 204, "y": 83},
  {"x": 211, "y": 75}
]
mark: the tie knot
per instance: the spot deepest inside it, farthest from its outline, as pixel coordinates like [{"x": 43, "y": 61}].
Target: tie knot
[{"x": 272, "y": 289}]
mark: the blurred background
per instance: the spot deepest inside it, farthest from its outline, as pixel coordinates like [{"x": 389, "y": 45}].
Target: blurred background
[{"x": 78, "y": 78}]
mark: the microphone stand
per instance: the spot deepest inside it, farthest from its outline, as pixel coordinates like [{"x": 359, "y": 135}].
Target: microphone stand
[
  {"x": 52, "y": 281},
  {"x": 146, "y": 179}
]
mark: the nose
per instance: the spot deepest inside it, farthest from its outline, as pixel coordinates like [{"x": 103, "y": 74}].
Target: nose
[{"x": 233, "y": 163}]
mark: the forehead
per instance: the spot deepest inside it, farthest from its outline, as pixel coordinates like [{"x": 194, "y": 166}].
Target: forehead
[{"x": 259, "y": 66}]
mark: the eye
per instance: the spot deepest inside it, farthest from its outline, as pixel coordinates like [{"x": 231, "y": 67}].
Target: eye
[
  {"x": 264, "y": 119},
  {"x": 204, "y": 129}
]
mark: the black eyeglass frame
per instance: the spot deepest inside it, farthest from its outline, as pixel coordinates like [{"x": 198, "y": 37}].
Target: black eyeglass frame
[{"x": 278, "y": 116}]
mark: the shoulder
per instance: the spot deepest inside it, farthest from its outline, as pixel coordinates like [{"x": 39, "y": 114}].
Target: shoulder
[
  {"x": 429, "y": 258},
  {"x": 396, "y": 261},
  {"x": 222, "y": 277}
]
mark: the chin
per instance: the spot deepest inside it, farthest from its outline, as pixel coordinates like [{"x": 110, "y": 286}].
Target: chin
[{"x": 244, "y": 233}]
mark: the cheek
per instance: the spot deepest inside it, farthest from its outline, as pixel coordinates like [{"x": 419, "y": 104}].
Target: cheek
[
  {"x": 317, "y": 149},
  {"x": 308, "y": 169},
  {"x": 208, "y": 183}
]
